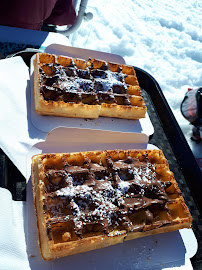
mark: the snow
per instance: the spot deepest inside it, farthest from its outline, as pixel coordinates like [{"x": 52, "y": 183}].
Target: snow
[{"x": 162, "y": 37}]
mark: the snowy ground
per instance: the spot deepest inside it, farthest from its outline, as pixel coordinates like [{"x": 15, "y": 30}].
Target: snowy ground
[{"x": 162, "y": 37}]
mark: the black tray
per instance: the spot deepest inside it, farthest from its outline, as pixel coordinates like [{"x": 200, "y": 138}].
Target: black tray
[{"x": 167, "y": 136}]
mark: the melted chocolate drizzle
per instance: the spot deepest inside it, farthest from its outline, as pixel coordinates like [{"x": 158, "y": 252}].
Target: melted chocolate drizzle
[
  {"x": 94, "y": 197},
  {"x": 89, "y": 86}
]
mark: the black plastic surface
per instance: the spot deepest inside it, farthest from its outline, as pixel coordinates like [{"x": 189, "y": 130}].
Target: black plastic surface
[
  {"x": 3, "y": 170},
  {"x": 11, "y": 178}
]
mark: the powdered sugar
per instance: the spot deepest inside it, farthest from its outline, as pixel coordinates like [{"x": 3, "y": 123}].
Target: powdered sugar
[
  {"x": 123, "y": 186},
  {"x": 72, "y": 191}
]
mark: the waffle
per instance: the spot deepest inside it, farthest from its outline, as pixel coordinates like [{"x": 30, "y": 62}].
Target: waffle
[
  {"x": 70, "y": 87},
  {"x": 91, "y": 200}
]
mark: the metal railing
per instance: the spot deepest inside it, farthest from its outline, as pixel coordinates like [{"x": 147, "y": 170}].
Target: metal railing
[{"x": 80, "y": 16}]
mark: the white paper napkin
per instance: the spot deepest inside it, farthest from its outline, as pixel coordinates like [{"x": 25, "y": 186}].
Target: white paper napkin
[
  {"x": 12, "y": 237},
  {"x": 17, "y": 132}
]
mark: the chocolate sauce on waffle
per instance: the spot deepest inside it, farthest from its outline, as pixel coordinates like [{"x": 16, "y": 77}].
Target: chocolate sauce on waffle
[
  {"x": 94, "y": 197},
  {"x": 89, "y": 86}
]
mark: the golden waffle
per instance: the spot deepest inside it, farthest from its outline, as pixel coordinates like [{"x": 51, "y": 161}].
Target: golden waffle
[
  {"x": 91, "y": 200},
  {"x": 70, "y": 87}
]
